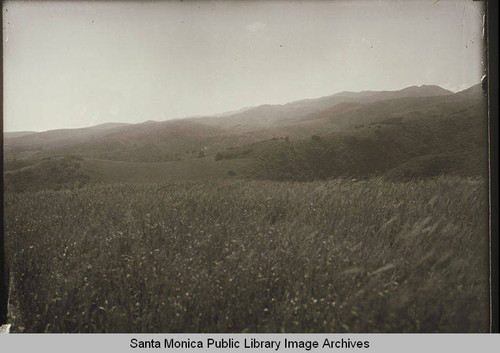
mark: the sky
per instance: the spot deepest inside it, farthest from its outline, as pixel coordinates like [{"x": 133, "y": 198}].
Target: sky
[{"x": 71, "y": 64}]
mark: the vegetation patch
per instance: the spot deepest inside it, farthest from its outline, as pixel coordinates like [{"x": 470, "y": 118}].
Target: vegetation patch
[
  {"x": 252, "y": 256},
  {"x": 52, "y": 173}
]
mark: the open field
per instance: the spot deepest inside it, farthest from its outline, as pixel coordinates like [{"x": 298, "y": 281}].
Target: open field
[
  {"x": 192, "y": 169},
  {"x": 263, "y": 167},
  {"x": 251, "y": 256}
]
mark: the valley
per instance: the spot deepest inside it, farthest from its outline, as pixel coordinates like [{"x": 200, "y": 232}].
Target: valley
[
  {"x": 347, "y": 134},
  {"x": 358, "y": 212}
]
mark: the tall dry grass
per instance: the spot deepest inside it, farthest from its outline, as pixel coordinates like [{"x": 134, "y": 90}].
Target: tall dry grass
[{"x": 251, "y": 256}]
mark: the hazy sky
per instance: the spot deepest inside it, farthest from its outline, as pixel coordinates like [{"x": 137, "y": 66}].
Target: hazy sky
[{"x": 76, "y": 64}]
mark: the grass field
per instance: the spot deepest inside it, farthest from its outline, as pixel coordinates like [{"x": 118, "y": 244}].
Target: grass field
[
  {"x": 251, "y": 256},
  {"x": 173, "y": 171}
]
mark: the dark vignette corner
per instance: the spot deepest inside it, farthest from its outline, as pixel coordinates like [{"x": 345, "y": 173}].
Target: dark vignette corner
[
  {"x": 492, "y": 57},
  {"x": 3, "y": 270}
]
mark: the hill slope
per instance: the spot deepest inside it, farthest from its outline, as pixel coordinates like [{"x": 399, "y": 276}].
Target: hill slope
[
  {"x": 270, "y": 115},
  {"x": 190, "y": 138},
  {"x": 414, "y": 132},
  {"x": 428, "y": 139}
]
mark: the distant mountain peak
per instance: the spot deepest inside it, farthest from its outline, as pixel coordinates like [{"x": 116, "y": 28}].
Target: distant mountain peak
[
  {"x": 426, "y": 90},
  {"x": 411, "y": 91}
]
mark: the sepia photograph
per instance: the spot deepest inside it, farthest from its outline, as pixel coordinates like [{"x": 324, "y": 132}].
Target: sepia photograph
[{"x": 245, "y": 167}]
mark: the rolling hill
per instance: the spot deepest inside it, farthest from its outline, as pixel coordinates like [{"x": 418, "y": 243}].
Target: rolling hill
[
  {"x": 413, "y": 132},
  {"x": 59, "y": 137},
  {"x": 180, "y": 139},
  {"x": 271, "y": 115},
  {"x": 15, "y": 134},
  {"x": 407, "y": 137}
]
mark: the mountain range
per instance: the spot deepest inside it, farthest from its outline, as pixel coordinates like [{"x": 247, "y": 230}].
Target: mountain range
[{"x": 348, "y": 133}]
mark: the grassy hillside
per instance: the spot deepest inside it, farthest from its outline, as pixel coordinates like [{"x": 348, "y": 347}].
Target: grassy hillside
[
  {"x": 59, "y": 137},
  {"x": 251, "y": 256},
  {"x": 186, "y": 138},
  {"x": 399, "y": 139},
  {"x": 195, "y": 170},
  {"x": 427, "y": 140},
  {"x": 68, "y": 171},
  {"x": 359, "y": 212},
  {"x": 271, "y": 115},
  {"x": 50, "y": 173},
  {"x": 416, "y": 132},
  {"x": 146, "y": 142}
]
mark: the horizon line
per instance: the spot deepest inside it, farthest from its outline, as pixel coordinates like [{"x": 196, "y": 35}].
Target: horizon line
[{"x": 229, "y": 111}]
